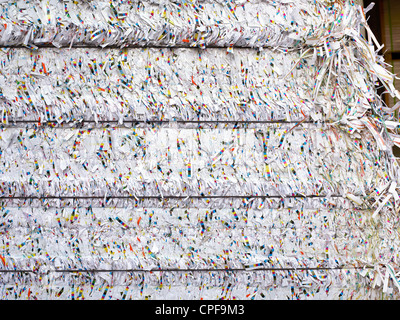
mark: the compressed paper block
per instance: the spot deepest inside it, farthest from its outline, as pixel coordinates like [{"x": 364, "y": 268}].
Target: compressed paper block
[
  {"x": 172, "y": 23},
  {"x": 192, "y": 285},
  {"x": 183, "y": 84},
  {"x": 121, "y": 161},
  {"x": 158, "y": 84},
  {"x": 92, "y": 238},
  {"x": 196, "y": 149},
  {"x": 150, "y": 238}
]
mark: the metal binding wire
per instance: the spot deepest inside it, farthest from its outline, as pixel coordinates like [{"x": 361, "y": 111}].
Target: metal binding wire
[
  {"x": 193, "y": 270},
  {"x": 172, "y": 197}
]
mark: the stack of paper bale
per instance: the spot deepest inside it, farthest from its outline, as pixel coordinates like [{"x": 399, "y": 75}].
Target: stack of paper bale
[{"x": 195, "y": 149}]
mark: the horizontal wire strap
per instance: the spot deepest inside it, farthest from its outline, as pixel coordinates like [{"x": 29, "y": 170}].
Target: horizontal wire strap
[
  {"x": 186, "y": 124},
  {"x": 195, "y": 270},
  {"x": 174, "y": 197},
  {"x": 89, "y": 46},
  {"x": 171, "y": 121}
]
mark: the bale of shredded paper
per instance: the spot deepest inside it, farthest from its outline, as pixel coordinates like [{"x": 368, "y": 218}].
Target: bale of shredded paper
[{"x": 193, "y": 137}]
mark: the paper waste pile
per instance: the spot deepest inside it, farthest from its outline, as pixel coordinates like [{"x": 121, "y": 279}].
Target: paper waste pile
[{"x": 196, "y": 149}]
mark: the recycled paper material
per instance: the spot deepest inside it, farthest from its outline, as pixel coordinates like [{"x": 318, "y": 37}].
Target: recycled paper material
[{"x": 196, "y": 149}]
